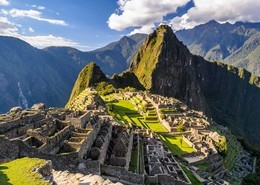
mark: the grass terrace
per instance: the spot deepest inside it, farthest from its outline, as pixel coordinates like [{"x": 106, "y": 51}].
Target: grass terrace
[
  {"x": 176, "y": 145},
  {"x": 232, "y": 151},
  {"x": 125, "y": 111},
  {"x": 190, "y": 175},
  {"x": 134, "y": 161},
  {"x": 20, "y": 172}
]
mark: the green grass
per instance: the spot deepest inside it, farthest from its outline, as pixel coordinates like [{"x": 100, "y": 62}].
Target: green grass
[
  {"x": 125, "y": 111},
  {"x": 176, "y": 145},
  {"x": 203, "y": 166},
  {"x": 231, "y": 153},
  {"x": 133, "y": 162},
  {"x": 154, "y": 126},
  {"x": 190, "y": 175},
  {"x": 20, "y": 172}
]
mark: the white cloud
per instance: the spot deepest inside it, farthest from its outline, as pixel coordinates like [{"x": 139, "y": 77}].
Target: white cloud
[
  {"x": 219, "y": 10},
  {"x": 8, "y": 28},
  {"x": 31, "y": 30},
  {"x": 4, "y": 2},
  {"x": 33, "y": 14},
  {"x": 142, "y": 14},
  {"x": 50, "y": 40},
  {"x": 38, "y": 7}
]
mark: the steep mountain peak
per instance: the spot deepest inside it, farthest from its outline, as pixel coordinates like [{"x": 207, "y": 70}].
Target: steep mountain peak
[
  {"x": 164, "y": 65},
  {"x": 160, "y": 46},
  {"x": 90, "y": 75}
]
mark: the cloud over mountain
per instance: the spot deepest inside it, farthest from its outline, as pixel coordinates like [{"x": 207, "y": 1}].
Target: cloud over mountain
[
  {"x": 219, "y": 10},
  {"x": 142, "y": 14}
]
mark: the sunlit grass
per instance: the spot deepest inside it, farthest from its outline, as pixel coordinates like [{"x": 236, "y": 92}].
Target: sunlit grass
[
  {"x": 176, "y": 145},
  {"x": 20, "y": 172}
]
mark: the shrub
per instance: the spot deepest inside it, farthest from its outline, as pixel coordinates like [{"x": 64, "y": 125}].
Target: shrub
[
  {"x": 104, "y": 88},
  {"x": 181, "y": 128}
]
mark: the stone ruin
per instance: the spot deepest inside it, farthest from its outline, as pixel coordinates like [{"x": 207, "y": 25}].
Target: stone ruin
[{"x": 161, "y": 167}]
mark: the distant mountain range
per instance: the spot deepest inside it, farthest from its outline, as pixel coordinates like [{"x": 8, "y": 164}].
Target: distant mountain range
[
  {"x": 236, "y": 44},
  {"x": 29, "y": 75}
]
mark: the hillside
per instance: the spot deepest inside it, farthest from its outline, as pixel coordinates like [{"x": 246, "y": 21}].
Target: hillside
[
  {"x": 113, "y": 58},
  {"x": 225, "y": 42},
  {"x": 89, "y": 76},
  {"x": 165, "y": 66},
  {"x": 228, "y": 94},
  {"x": 23, "y": 79},
  {"x": 23, "y": 73}
]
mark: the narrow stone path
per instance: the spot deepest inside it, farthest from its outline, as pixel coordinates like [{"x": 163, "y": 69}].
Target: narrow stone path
[{"x": 66, "y": 178}]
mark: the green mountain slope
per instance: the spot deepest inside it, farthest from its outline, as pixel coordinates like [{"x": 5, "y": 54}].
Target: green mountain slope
[
  {"x": 89, "y": 76},
  {"x": 228, "y": 94},
  {"x": 29, "y": 75}
]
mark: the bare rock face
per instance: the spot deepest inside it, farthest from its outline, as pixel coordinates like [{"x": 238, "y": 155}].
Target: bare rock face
[
  {"x": 39, "y": 106},
  {"x": 165, "y": 66},
  {"x": 8, "y": 150},
  {"x": 15, "y": 109},
  {"x": 230, "y": 95}
]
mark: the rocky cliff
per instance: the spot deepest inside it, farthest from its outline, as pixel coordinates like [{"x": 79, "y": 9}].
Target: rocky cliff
[{"x": 165, "y": 66}]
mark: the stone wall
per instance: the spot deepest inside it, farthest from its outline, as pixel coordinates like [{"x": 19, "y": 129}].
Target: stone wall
[
  {"x": 22, "y": 130},
  {"x": 46, "y": 170},
  {"x": 10, "y": 125},
  {"x": 166, "y": 179},
  {"x": 8, "y": 150},
  {"x": 189, "y": 142},
  {"x": 92, "y": 167},
  {"x": 162, "y": 121},
  {"x": 129, "y": 152},
  {"x": 53, "y": 141},
  {"x": 80, "y": 121},
  {"x": 88, "y": 142},
  {"x": 103, "y": 150},
  {"x": 122, "y": 173}
]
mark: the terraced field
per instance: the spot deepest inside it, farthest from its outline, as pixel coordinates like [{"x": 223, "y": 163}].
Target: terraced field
[
  {"x": 176, "y": 145},
  {"x": 125, "y": 112}
]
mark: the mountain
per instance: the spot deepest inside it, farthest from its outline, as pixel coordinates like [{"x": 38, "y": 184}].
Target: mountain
[
  {"x": 165, "y": 66},
  {"x": 113, "y": 58},
  {"x": 89, "y": 76},
  {"x": 236, "y": 44},
  {"x": 29, "y": 75}
]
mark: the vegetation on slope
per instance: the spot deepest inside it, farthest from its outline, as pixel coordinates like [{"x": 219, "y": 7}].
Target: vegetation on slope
[
  {"x": 21, "y": 171},
  {"x": 190, "y": 175},
  {"x": 146, "y": 59},
  {"x": 125, "y": 112},
  {"x": 89, "y": 76},
  {"x": 176, "y": 145}
]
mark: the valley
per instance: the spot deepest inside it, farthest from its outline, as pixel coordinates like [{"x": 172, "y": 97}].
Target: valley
[{"x": 170, "y": 118}]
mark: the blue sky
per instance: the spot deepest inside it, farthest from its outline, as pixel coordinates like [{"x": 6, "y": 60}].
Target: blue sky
[{"x": 87, "y": 25}]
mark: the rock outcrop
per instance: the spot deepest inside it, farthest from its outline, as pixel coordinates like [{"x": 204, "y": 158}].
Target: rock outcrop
[{"x": 165, "y": 66}]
